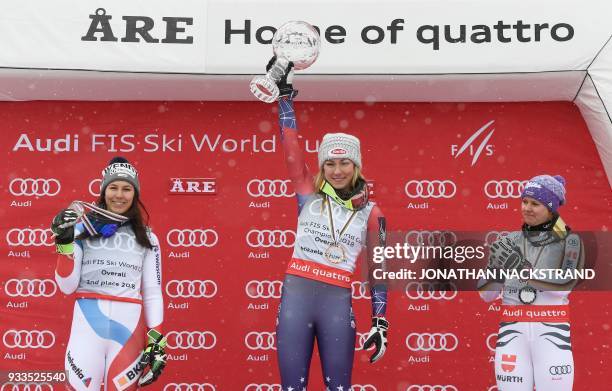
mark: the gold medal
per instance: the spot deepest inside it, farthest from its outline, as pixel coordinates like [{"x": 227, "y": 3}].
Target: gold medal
[{"x": 335, "y": 253}]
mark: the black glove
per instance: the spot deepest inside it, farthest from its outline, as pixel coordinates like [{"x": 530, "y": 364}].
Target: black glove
[
  {"x": 63, "y": 226},
  {"x": 505, "y": 255},
  {"x": 378, "y": 337},
  {"x": 285, "y": 86}
]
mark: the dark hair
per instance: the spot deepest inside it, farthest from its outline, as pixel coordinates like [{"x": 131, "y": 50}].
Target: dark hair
[
  {"x": 137, "y": 222},
  {"x": 135, "y": 214}
]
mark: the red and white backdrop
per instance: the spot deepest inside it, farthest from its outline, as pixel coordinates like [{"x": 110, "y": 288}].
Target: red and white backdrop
[{"x": 225, "y": 253}]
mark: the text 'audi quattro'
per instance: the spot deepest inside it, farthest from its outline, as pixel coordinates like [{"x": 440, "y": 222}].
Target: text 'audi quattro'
[
  {"x": 274, "y": 238},
  {"x": 191, "y": 289},
  {"x": 267, "y": 188},
  {"x": 203, "y": 340},
  {"x": 28, "y": 339},
  {"x": 504, "y": 188},
  {"x": 260, "y": 340},
  {"x": 432, "y": 342},
  {"x": 197, "y": 237},
  {"x": 30, "y": 288},
  {"x": 35, "y": 187},
  {"x": 35, "y": 237},
  {"x": 430, "y": 188}
]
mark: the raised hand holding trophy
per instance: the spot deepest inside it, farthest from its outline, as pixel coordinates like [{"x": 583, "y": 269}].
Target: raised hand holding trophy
[{"x": 297, "y": 42}]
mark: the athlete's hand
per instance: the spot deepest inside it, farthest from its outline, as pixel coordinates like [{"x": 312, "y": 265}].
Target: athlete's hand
[
  {"x": 154, "y": 356},
  {"x": 377, "y": 337},
  {"x": 285, "y": 84},
  {"x": 505, "y": 255},
  {"x": 62, "y": 226}
]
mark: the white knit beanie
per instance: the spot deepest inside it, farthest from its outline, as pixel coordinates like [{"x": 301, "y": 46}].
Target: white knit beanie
[{"x": 340, "y": 146}]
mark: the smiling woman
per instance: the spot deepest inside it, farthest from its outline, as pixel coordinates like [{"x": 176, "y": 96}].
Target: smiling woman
[
  {"x": 547, "y": 259},
  {"x": 119, "y": 196},
  {"x": 112, "y": 262},
  {"x": 336, "y": 222}
]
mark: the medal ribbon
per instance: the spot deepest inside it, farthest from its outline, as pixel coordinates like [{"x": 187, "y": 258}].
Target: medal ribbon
[
  {"x": 330, "y": 192},
  {"x": 331, "y": 222},
  {"x": 80, "y": 207}
]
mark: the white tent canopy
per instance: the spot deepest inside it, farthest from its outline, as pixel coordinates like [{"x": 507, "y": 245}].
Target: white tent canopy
[{"x": 406, "y": 50}]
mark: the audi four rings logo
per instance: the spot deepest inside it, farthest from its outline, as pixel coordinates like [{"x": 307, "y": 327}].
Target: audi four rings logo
[
  {"x": 431, "y": 238},
  {"x": 504, "y": 188},
  {"x": 94, "y": 187},
  {"x": 189, "y": 387},
  {"x": 270, "y": 238},
  {"x": 263, "y": 387},
  {"x": 493, "y": 236},
  {"x": 191, "y": 340},
  {"x": 556, "y": 370},
  {"x": 430, "y": 189},
  {"x": 260, "y": 340},
  {"x": 36, "y": 237},
  {"x": 269, "y": 188},
  {"x": 361, "y": 338},
  {"x": 436, "y": 342},
  {"x": 191, "y": 288},
  {"x": 21, "y": 386},
  {"x": 491, "y": 341},
  {"x": 315, "y": 208},
  {"x": 192, "y": 237},
  {"x": 427, "y": 387},
  {"x": 28, "y": 339},
  {"x": 30, "y": 288},
  {"x": 38, "y": 187},
  {"x": 431, "y": 290},
  {"x": 265, "y": 289},
  {"x": 360, "y": 290},
  {"x": 121, "y": 241}
]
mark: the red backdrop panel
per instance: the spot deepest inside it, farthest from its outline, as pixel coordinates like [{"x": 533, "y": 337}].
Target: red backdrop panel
[{"x": 219, "y": 281}]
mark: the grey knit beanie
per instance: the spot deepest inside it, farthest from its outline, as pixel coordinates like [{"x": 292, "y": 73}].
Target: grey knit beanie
[
  {"x": 119, "y": 169},
  {"x": 340, "y": 146}
]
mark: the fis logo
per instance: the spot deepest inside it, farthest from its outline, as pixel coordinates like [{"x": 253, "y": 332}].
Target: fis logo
[{"x": 469, "y": 146}]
